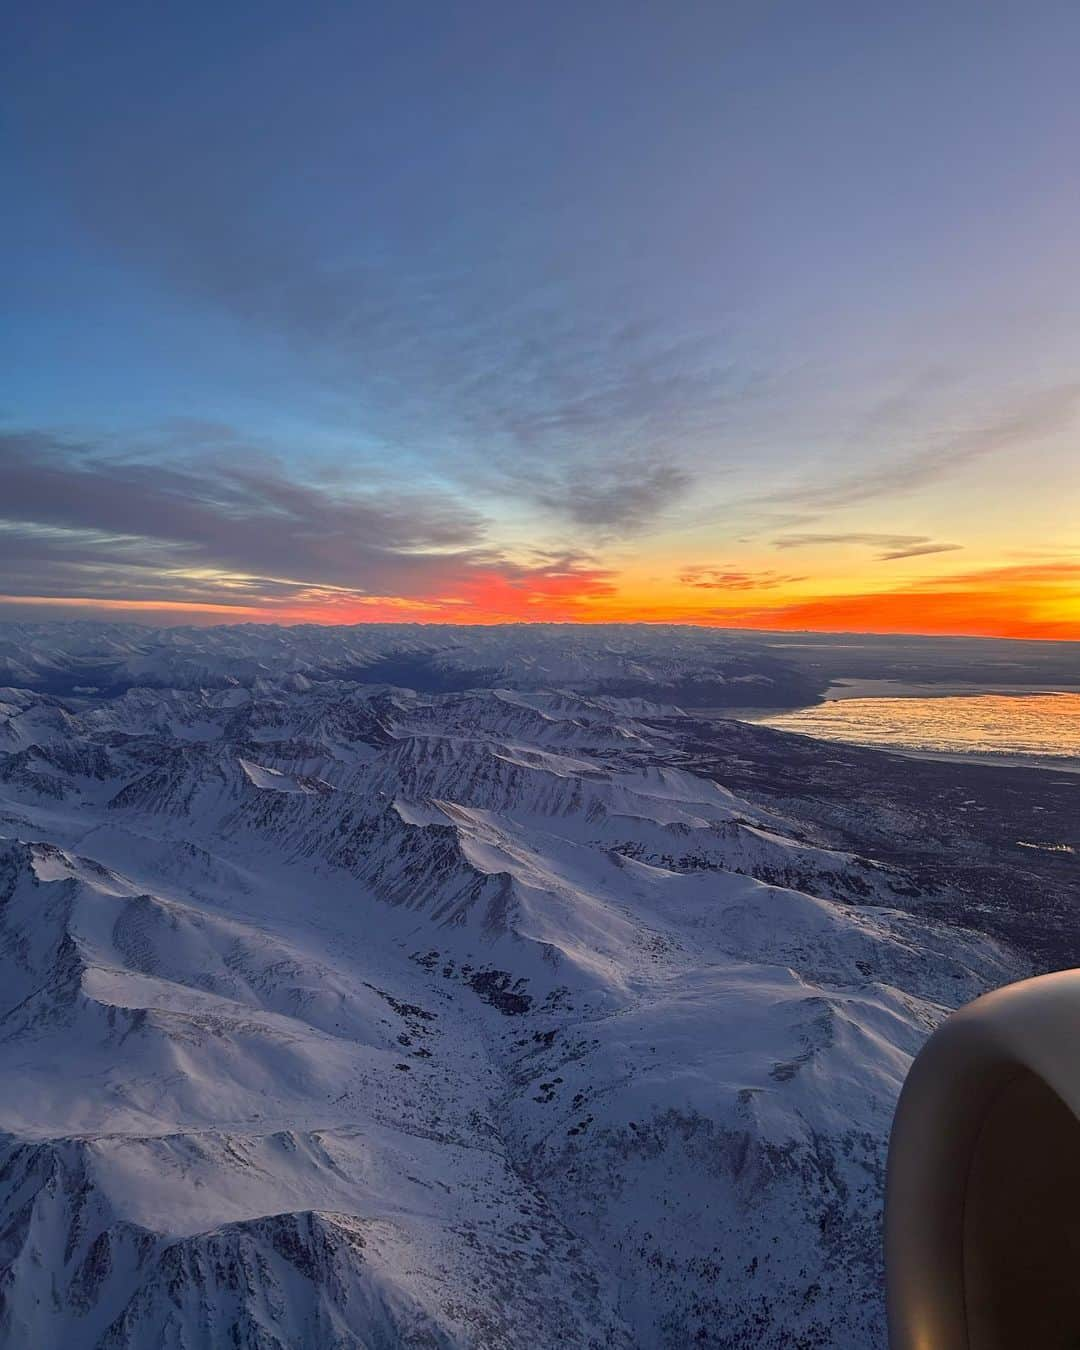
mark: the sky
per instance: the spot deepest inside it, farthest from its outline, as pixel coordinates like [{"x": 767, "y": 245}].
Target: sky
[{"x": 753, "y": 315}]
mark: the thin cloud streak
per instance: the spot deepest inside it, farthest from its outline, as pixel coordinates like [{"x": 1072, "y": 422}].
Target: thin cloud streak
[
  {"x": 896, "y": 546},
  {"x": 851, "y": 537},
  {"x": 1036, "y": 417},
  {"x": 732, "y": 578},
  {"x": 918, "y": 551}
]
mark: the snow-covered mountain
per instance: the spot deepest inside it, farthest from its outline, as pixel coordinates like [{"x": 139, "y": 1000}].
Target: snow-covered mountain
[
  {"x": 338, "y": 1015},
  {"x": 673, "y": 663}
]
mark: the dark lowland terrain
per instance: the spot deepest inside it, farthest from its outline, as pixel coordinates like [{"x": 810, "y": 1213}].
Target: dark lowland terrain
[{"x": 993, "y": 847}]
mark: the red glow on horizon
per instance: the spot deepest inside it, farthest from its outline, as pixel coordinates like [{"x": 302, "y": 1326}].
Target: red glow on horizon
[{"x": 1034, "y": 601}]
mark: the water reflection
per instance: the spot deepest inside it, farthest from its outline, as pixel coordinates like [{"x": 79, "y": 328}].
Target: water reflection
[{"x": 1037, "y": 728}]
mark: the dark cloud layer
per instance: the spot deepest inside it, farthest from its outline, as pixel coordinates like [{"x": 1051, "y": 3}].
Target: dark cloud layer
[{"x": 77, "y": 521}]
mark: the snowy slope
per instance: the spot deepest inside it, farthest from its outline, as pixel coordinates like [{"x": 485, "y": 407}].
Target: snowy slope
[
  {"x": 333, "y": 1015},
  {"x": 630, "y": 664}
]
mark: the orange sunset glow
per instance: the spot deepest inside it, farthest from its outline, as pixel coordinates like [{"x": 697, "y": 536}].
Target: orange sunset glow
[{"x": 1009, "y": 602}]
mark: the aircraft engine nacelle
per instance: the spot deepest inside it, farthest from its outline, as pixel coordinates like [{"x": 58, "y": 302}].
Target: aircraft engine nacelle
[{"x": 982, "y": 1210}]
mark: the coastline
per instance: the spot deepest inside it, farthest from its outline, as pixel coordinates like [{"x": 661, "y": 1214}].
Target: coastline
[
  {"x": 912, "y": 721},
  {"x": 1055, "y": 764}
]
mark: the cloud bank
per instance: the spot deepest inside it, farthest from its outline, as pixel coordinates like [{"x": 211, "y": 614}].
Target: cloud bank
[{"x": 238, "y": 530}]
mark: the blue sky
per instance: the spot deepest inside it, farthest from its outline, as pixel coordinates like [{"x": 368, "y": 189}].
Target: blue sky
[{"x": 623, "y": 290}]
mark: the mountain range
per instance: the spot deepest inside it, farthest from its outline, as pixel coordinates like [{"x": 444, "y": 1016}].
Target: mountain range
[{"x": 336, "y": 1013}]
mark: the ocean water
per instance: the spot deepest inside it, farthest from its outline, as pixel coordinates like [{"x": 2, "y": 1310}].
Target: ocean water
[{"x": 1040, "y": 728}]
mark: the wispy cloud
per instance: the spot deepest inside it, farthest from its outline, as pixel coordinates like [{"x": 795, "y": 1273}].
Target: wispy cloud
[
  {"x": 731, "y": 578},
  {"x": 918, "y": 551},
  {"x": 527, "y": 383},
  {"x": 813, "y": 539},
  {"x": 1039, "y": 415},
  {"x": 893, "y": 546},
  {"x": 524, "y": 381},
  {"x": 616, "y": 497}
]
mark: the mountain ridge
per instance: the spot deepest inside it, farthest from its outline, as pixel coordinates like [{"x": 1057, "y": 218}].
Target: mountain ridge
[{"x": 347, "y": 1016}]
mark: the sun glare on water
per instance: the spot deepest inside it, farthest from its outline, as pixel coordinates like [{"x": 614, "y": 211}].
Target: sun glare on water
[{"x": 1044, "y": 726}]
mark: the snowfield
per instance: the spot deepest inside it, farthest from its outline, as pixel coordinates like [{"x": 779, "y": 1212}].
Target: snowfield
[{"x": 341, "y": 1016}]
